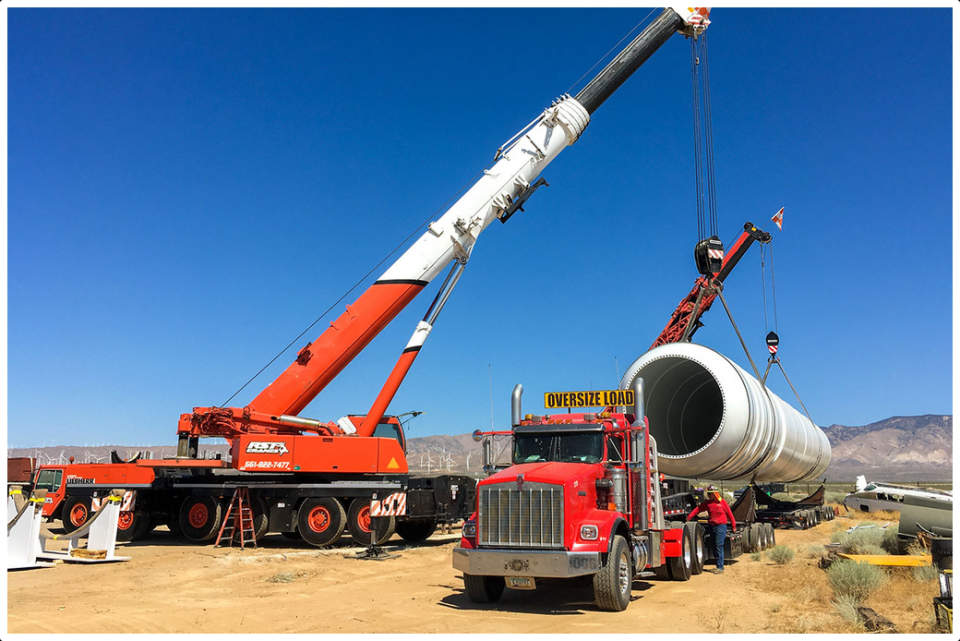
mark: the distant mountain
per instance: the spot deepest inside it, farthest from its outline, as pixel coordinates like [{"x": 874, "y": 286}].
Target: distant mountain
[{"x": 902, "y": 448}]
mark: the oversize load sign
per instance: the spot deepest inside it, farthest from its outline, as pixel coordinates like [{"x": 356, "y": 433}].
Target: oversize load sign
[{"x": 588, "y": 399}]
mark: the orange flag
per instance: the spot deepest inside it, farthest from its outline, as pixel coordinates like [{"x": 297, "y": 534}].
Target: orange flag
[{"x": 778, "y": 218}]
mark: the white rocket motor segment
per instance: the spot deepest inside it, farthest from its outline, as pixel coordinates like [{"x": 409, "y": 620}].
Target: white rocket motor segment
[
  {"x": 453, "y": 235},
  {"x": 713, "y": 420}
]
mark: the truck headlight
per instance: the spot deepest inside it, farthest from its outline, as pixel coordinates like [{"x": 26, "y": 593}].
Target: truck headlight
[
  {"x": 589, "y": 532},
  {"x": 470, "y": 529}
]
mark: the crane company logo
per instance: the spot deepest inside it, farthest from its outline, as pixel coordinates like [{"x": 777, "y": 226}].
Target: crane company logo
[
  {"x": 267, "y": 447},
  {"x": 78, "y": 480}
]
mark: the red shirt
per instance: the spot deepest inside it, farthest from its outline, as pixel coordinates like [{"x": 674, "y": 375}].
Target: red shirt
[{"x": 718, "y": 513}]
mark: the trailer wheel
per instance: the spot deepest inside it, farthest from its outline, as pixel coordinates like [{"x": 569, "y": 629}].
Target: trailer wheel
[
  {"x": 132, "y": 525},
  {"x": 613, "y": 583},
  {"x": 681, "y": 566},
  {"x": 483, "y": 589},
  {"x": 416, "y": 530},
  {"x": 358, "y": 523},
  {"x": 771, "y": 534},
  {"x": 200, "y": 517},
  {"x": 321, "y": 520},
  {"x": 699, "y": 548},
  {"x": 76, "y": 511},
  {"x": 752, "y": 538}
]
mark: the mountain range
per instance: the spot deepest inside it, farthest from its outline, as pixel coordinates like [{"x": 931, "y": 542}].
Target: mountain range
[{"x": 901, "y": 448}]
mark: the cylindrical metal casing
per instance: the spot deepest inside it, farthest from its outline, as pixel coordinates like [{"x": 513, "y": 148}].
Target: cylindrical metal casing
[
  {"x": 712, "y": 420},
  {"x": 515, "y": 408},
  {"x": 618, "y": 491}
]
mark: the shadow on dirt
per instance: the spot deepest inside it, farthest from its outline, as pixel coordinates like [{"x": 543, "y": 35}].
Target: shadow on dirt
[{"x": 552, "y": 596}]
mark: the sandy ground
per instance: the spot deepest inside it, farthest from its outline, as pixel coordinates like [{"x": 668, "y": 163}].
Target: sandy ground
[{"x": 171, "y": 587}]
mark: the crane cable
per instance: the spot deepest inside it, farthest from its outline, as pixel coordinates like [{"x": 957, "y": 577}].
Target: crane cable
[
  {"x": 773, "y": 290},
  {"x": 707, "y": 214}
]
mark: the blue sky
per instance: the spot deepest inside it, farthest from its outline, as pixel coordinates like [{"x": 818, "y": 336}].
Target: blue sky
[{"x": 189, "y": 189}]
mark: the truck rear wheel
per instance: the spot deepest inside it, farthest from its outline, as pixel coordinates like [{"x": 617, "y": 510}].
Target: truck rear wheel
[
  {"x": 613, "y": 583},
  {"x": 76, "y": 511},
  {"x": 682, "y": 566},
  {"x": 416, "y": 530},
  {"x": 699, "y": 548},
  {"x": 201, "y": 517},
  {"x": 358, "y": 523},
  {"x": 771, "y": 535},
  {"x": 483, "y": 589},
  {"x": 321, "y": 521},
  {"x": 752, "y": 537}
]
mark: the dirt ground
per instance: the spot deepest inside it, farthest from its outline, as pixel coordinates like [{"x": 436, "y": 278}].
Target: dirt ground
[{"x": 290, "y": 587}]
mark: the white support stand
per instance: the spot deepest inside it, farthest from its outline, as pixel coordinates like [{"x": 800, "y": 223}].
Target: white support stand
[
  {"x": 23, "y": 534},
  {"x": 100, "y": 532}
]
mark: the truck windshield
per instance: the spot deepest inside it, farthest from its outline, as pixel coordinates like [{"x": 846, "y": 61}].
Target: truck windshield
[{"x": 579, "y": 447}]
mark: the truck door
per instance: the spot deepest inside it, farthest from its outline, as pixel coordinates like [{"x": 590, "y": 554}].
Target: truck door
[{"x": 50, "y": 480}]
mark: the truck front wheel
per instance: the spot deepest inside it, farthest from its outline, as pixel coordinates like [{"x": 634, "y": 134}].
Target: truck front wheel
[
  {"x": 613, "y": 583},
  {"x": 483, "y": 589}
]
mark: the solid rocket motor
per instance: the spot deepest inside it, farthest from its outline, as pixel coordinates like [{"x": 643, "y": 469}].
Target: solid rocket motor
[{"x": 713, "y": 420}]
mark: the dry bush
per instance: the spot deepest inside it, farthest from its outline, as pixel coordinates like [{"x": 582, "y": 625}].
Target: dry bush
[
  {"x": 889, "y": 541},
  {"x": 780, "y": 554},
  {"x": 846, "y": 607},
  {"x": 860, "y": 540},
  {"x": 924, "y": 573},
  {"x": 814, "y": 622},
  {"x": 755, "y": 556},
  {"x": 870, "y": 548},
  {"x": 813, "y": 551},
  {"x": 906, "y": 602},
  {"x": 834, "y": 497},
  {"x": 858, "y": 580},
  {"x": 719, "y": 615}
]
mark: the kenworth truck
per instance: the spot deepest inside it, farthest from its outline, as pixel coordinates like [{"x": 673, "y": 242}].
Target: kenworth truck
[{"x": 581, "y": 498}]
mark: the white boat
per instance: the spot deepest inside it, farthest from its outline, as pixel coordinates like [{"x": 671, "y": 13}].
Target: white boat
[{"x": 874, "y": 497}]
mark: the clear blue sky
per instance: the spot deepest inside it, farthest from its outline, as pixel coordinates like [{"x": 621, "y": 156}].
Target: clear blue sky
[{"x": 189, "y": 189}]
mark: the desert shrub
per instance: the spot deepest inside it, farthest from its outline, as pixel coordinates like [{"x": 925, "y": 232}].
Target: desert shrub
[
  {"x": 916, "y": 549},
  {"x": 869, "y": 548},
  {"x": 816, "y": 622},
  {"x": 889, "y": 541},
  {"x": 857, "y": 580},
  {"x": 813, "y": 551},
  {"x": 846, "y": 606},
  {"x": 858, "y": 540},
  {"x": 783, "y": 496},
  {"x": 755, "y": 556},
  {"x": 924, "y": 573},
  {"x": 780, "y": 554},
  {"x": 838, "y": 535}
]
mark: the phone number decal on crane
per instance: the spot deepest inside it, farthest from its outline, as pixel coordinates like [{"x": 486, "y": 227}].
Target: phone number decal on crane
[{"x": 266, "y": 465}]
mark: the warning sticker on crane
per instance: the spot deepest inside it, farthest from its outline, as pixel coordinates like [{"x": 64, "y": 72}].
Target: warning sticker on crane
[
  {"x": 602, "y": 398},
  {"x": 393, "y": 505}
]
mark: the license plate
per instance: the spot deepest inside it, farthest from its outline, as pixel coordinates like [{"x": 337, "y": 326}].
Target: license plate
[{"x": 521, "y": 583}]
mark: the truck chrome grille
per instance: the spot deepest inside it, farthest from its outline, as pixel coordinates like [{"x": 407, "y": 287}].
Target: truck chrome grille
[{"x": 529, "y": 518}]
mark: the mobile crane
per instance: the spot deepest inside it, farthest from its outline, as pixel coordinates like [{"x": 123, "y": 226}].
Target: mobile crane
[{"x": 310, "y": 478}]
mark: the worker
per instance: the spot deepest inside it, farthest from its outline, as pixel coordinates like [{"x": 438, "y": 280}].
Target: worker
[{"x": 718, "y": 516}]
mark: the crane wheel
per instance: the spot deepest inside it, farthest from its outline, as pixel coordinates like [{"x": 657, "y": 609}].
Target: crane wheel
[
  {"x": 681, "y": 567},
  {"x": 76, "y": 511},
  {"x": 133, "y": 525},
  {"x": 173, "y": 524},
  {"x": 358, "y": 523},
  {"x": 483, "y": 589},
  {"x": 416, "y": 530},
  {"x": 614, "y": 582},
  {"x": 321, "y": 520},
  {"x": 201, "y": 517},
  {"x": 261, "y": 520},
  {"x": 293, "y": 536}
]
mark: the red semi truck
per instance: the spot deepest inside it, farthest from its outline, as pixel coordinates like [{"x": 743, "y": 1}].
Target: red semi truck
[{"x": 581, "y": 498}]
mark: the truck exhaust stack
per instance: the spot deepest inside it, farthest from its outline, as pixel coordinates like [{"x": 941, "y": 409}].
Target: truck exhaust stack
[{"x": 713, "y": 420}]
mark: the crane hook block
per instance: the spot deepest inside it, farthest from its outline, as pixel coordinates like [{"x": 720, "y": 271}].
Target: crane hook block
[{"x": 708, "y": 255}]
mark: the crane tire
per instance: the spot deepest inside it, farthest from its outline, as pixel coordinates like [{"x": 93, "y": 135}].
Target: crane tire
[
  {"x": 321, "y": 520},
  {"x": 201, "y": 517},
  {"x": 76, "y": 512},
  {"x": 358, "y": 523},
  {"x": 293, "y": 536},
  {"x": 483, "y": 589},
  {"x": 416, "y": 530},
  {"x": 613, "y": 584},
  {"x": 133, "y": 525}
]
